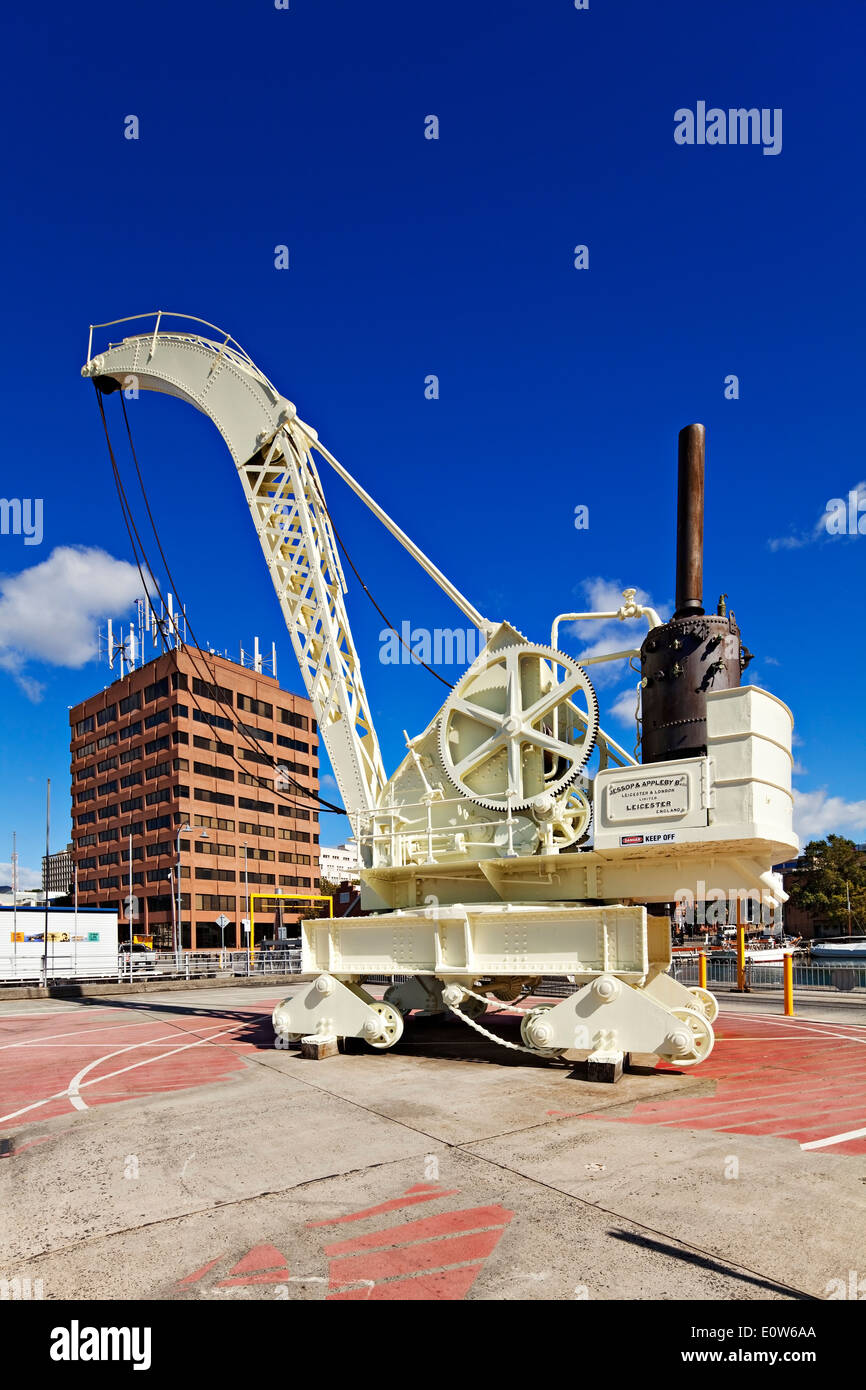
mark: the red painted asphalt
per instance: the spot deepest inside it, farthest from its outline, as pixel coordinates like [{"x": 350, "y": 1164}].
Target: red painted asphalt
[
  {"x": 437, "y": 1257},
  {"x": 785, "y": 1078},
  {"x": 790, "y": 1078},
  {"x": 57, "y": 1063}
]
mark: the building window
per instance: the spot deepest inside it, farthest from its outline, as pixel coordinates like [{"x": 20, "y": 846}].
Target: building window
[
  {"x": 295, "y": 743},
  {"x": 297, "y": 721},
  {"x": 131, "y": 730},
  {"x": 214, "y": 823},
  {"x": 156, "y": 744},
  {"x": 179, "y": 681},
  {"x": 252, "y": 755},
  {"x": 211, "y": 692},
  {"x": 211, "y": 745},
  {"x": 130, "y": 702},
  {"x": 263, "y": 734},
  {"x": 107, "y": 740},
  {"x": 132, "y": 805},
  {"x": 84, "y": 726},
  {"x": 215, "y": 720},
  {"x": 131, "y": 779},
  {"x": 218, "y": 798},
  {"x": 156, "y": 691},
  {"x": 248, "y": 804},
  {"x": 215, "y": 902},
  {"x": 249, "y": 827},
  {"x": 167, "y": 794},
  {"x": 86, "y": 818},
  {"x": 259, "y": 707},
  {"x": 107, "y": 715},
  {"x": 225, "y": 774}
]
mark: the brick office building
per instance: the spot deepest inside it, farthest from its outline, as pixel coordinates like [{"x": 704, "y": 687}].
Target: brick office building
[{"x": 202, "y": 742}]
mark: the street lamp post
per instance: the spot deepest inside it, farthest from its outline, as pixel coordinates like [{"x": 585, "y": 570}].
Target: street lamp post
[
  {"x": 247, "y": 897},
  {"x": 173, "y": 909},
  {"x": 176, "y": 929}
]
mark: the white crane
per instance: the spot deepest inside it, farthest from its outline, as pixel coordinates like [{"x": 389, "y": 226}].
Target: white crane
[{"x": 466, "y": 846}]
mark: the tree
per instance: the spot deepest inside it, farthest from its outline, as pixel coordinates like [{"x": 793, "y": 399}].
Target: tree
[{"x": 818, "y": 885}]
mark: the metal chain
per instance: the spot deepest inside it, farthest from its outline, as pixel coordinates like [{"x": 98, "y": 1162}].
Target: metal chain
[
  {"x": 515, "y": 1047},
  {"x": 485, "y": 1000}
]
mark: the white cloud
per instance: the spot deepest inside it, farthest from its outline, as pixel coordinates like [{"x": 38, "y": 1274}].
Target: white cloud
[
  {"x": 27, "y": 878},
  {"x": 49, "y": 613},
  {"x": 623, "y": 707},
  {"x": 819, "y": 530},
  {"x": 595, "y": 637},
  {"x": 816, "y": 815}
]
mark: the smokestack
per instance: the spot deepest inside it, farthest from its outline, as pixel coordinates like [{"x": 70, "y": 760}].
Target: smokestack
[
  {"x": 696, "y": 653},
  {"x": 690, "y": 522}
]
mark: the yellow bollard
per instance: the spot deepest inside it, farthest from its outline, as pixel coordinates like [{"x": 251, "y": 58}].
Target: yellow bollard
[
  {"x": 788, "y": 976},
  {"x": 702, "y": 969},
  {"x": 741, "y": 954}
]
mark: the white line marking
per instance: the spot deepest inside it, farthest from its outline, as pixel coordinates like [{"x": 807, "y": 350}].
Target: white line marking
[
  {"x": 783, "y": 1020},
  {"x": 64, "y": 1094},
  {"x": 72, "y": 1089},
  {"x": 52, "y": 1013},
  {"x": 808, "y": 1023},
  {"x": 835, "y": 1139},
  {"x": 76, "y": 1032}
]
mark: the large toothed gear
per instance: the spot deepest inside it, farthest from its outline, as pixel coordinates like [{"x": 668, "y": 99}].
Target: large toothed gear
[{"x": 519, "y": 727}]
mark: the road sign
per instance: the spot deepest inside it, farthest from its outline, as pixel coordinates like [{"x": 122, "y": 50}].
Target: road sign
[
  {"x": 245, "y": 923},
  {"x": 130, "y": 902},
  {"x": 222, "y": 921}
]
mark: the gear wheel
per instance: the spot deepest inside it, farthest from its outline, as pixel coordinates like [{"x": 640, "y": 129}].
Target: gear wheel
[{"x": 514, "y": 731}]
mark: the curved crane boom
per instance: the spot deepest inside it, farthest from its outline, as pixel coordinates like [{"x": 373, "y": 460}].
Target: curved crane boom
[{"x": 271, "y": 450}]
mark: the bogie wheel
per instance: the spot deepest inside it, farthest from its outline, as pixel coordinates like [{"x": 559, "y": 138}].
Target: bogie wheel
[
  {"x": 390, "y": 1026},
  {"x": 699, "y": 1038},
  {"x": 706, "y": 1001},
  {"x": 526, "y": 1033}
]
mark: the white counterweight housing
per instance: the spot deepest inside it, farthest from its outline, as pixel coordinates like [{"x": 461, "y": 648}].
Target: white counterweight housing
[{"x": 478, "y": 868}]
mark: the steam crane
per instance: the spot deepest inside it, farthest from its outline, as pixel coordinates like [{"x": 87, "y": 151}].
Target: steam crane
[{"x": 478, "y": 874}]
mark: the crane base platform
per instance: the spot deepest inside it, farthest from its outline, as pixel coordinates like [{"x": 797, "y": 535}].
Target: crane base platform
[{"x": 605, "y": 1016}]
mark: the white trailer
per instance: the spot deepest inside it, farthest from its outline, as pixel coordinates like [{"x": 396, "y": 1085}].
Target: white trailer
[{"x": 82, "y": 943}]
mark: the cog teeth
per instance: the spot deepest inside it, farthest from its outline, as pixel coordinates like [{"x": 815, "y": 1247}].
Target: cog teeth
[{"x": 500, "y": 803}]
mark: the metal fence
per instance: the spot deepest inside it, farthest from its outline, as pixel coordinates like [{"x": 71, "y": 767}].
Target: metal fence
[
  {"x": 66, "y": 968},
  {"x": 721, "y": 978},
  {"x": 808, "y": 975}
]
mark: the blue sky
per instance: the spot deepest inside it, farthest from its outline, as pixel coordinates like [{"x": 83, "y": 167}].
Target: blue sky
[{"x": 409, "y": 257}]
